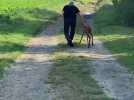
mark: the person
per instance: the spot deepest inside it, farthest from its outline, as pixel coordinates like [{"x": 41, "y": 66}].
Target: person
[{"x": 70, "y": 13}]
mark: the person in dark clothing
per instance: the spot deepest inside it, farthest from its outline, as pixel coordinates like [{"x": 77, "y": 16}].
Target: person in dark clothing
[{"x": 70, "y": 12}]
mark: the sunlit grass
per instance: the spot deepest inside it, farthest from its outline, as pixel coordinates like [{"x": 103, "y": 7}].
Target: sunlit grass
[
  {"x": 13, "y": 4},
  {"x": 20, "y": 20},
  {"x": 121, "y": 44}
]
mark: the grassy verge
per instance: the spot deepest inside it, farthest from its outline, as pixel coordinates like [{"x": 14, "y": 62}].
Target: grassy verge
[
  {"x": 117, "y": 38},
  {"x": 71, "y": 79},
  {"x": 20, "y": 20}
]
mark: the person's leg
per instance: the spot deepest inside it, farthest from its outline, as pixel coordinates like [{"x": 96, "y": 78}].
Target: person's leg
[
  {"x": 72, "y": 32},
  {"x": 66, "y": 29},
  {"x": 67, "y": 25}
]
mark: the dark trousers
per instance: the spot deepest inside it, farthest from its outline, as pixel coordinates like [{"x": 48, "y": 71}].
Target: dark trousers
[{"x": 69, "y": 29}]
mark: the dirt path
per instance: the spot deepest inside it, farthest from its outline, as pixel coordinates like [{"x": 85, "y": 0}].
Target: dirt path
[
  {"x": 116, "y": 81},
  {"x": 25, "y": 79}
]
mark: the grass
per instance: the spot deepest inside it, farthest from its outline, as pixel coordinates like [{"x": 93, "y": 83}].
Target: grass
[
  {"x": 20, "y": 20},
  {"x": 116, "y": 37},
  {"x": 62, "y": 41},
  {"x": 71, "y": 80}
]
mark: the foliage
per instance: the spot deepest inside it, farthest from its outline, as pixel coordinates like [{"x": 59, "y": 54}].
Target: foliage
[
  {"x": 118, "y": 11},
  {"x": 125, "y": 10},
  {"x": 116, "y": 36}
]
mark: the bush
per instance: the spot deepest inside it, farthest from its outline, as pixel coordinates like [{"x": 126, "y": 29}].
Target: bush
[{"x": 125, "y": 11}]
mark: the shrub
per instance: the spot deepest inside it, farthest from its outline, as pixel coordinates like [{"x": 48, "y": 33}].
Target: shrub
[{"x": 125, "y": 11}]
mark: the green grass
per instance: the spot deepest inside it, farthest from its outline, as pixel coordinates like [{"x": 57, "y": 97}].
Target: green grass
[
  {"x": 15, "y": 4},
  {"x": 20, "y": 20},
  {"x": 63, "y": 45},
  {"x": 116, "y": 37},
  {"x": 70, "y": 78}
]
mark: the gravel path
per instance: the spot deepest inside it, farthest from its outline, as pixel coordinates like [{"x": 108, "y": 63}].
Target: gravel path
[
  {"x": 26, "y": 78},
  {"x": 116, "y": 81}
]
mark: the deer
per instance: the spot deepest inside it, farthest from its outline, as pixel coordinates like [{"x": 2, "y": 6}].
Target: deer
[{"x": 88, "y": 32}]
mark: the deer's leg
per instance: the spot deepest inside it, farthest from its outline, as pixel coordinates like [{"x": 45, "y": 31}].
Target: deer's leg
[
  {"x": 81, "y": 38},
  {"x": 92, "y": 39},
  {"x": 88, "y": 40}
]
